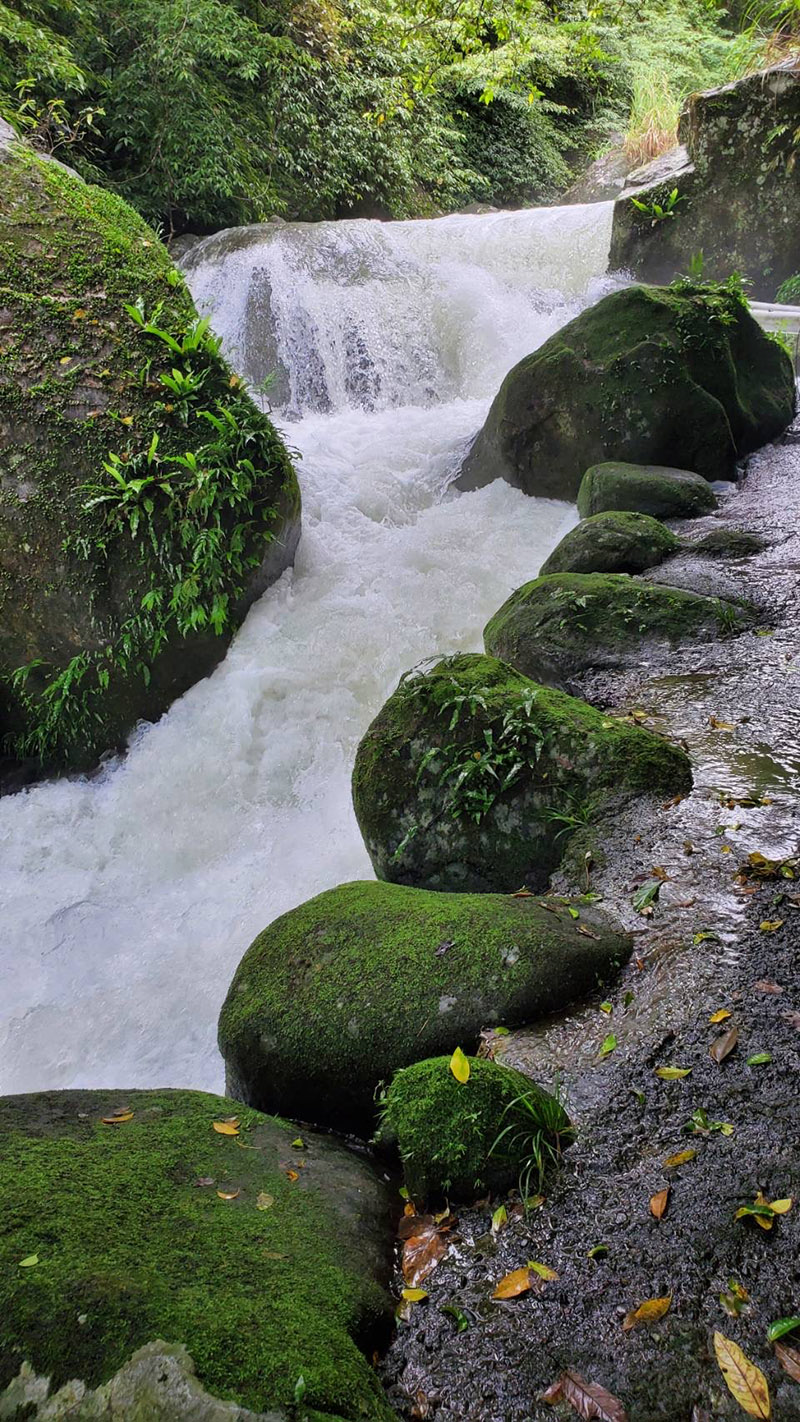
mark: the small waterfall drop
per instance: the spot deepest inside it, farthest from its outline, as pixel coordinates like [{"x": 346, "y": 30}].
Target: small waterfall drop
[{"x": 127, "y": 900}]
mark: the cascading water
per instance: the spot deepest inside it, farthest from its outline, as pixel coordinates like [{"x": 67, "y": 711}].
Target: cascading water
[{"x": 128, "y": 899}]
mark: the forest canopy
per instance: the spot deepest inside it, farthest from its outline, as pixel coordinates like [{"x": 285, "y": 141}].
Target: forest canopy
[{"x": 209, "y": 113}]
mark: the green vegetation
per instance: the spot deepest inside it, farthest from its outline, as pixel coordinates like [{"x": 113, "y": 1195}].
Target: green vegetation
[
  {"x": 460, "y": 1139},
  {"x": 132, "y": 1242},
  {"x": 205, "y": 113}
]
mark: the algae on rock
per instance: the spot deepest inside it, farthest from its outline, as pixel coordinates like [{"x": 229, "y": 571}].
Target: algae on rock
[
  {"x": 679, "y": 375},
  {"x": 145, "y": 502},
  {"x": 461, "y": 1139},
  {"x": 614, "y": 542},
  {"x": 338, "y": 994},
  {"x": 648, "y": 489},
  {"x": 161, "y": 1228},
  {"x": 470, "y": 773}
]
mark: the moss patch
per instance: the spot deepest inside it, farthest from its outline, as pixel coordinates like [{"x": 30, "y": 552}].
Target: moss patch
[
  {"x": 133, "y": 1245},
  {"x": 727, "y": 543},
  {"x": 557, "y": 627},
  {"x": 612, "y": 543},
  {"x": 645, "y": 488},
  {"x": 471, "y": 773},
  {"x": 335, "y": 996},
  {"x": 460, "y": 1139}
]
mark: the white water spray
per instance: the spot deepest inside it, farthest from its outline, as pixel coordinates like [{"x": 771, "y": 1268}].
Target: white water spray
[{"x": 127, "y": 900}]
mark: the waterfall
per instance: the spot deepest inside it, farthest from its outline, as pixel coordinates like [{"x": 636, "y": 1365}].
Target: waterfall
[{"x": 126, "y": 900}]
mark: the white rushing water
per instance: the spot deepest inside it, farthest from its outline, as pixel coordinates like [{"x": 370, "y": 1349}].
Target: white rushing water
[{"x": 127, "y": 900}]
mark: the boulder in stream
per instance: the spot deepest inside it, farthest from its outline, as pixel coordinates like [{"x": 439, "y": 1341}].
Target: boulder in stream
[
  {"x": 646, "y": 488},
  {"x": 470, "y": 774},
  {"x": 614, "y": 542},
  {"x": 145, "y": 502},
  {"x": 128, "y": 1218},
  {"x": 338, "y": 994},
  {"x": 681, "y": 376},
  {"x": 558, "y": 627}
]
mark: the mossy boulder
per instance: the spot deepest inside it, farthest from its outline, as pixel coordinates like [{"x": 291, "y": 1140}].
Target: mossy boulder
[
  {"x": 560, "y": 626},
  {"x": 675, "y": 376},
  {"x": 727, "y": 543},
  {"x": 648, "y": 489},
  {"x": 460, "y": 1139},
  {"x": 145, "y": 502},
  {"x": 470, "y": 774},
  {"x": 338, "y": 994},
  {"x": 129, "y": 1241},
  {"x": 615, "y": 542}
]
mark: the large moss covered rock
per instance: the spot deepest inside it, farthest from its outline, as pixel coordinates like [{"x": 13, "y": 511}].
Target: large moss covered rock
[
  {"x": 160, "y": 1228},
  {"x": 145, "y": 501},
  {"x": 460, "y": 1139},
  {"x": 646, "y": 488},
  {"x": 557, "y": 627},
  {"x": 335, "y": 996},
  {"x": 470, "y": 773},
  {"x": 612, "y": 543},
  {"x": 674, "y": 376}
]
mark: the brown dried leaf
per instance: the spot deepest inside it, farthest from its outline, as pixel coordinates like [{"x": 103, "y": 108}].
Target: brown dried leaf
[
  {"x": 681, "y": 1158},
  {"x": 648, "y": 1312},
  {"x": 589, "y": 1400},
  {"x": 765, "y": 986},
  {"x": 519, "y": 1281},
  {"x": 658, "y": 1203},
  {"x": 789, "y": 1359},
  {"x": 723, "y": 1045},
  {"x": 229, "y": 1194},
  {"x": 421, "y": 1254},
  {"x": 745, "y": 1381}
]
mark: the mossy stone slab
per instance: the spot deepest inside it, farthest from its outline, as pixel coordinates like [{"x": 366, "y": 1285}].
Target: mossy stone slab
[{"x": 646, "y": 489}]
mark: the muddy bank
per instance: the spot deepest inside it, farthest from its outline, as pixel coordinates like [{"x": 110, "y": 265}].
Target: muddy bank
[{"x": 701, "y": 950}]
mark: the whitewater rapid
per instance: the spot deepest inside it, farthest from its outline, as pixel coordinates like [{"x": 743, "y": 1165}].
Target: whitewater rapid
[{"x": 126, "y": 900}]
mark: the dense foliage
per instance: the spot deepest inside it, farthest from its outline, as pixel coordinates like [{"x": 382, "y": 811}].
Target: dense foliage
[{"x": 211, "y": 112}]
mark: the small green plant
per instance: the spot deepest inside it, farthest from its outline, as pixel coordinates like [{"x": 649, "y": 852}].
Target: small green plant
[
  {"x": 577, "y": 815},
  {"x": 538, "y": 1141},
  {"x": 788, "y": 293},
  {"x": 659, "y": 211}
]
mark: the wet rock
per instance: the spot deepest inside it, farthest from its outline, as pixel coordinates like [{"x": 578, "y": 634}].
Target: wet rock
[
  {"x": 264, "y": 1263},
  {"x": 727, "y": 543},
  {"x": 614, "y": 542},
  {"x": 458, "y": 1140},
  {"x": 470, "y": 774},
  {"x": 649, "y": 489},
  {"x": 118, "y": 595},
  {"x": 561, "y": 626},
  {"x": 735, "y": 175},
  {"x": 337, "y": 995},
  {"x": 604, "y": 178},
  {"x": 672, "y": 376}
]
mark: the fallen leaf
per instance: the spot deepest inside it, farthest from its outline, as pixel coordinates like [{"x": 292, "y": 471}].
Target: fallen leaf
[
  {"x": 648, "y": 1312},
  {"x": 681, "y": 1158},
  {"x": 609, "y": 1044},
  {"x": 205, "y": 1180},
  {"x": 589, "y": 1400},
  {"x": 759, "y": 1059},
  {"x": 719, "y": 1016},
  {"x": 607, "y": 1007},
  {"x": 29, "y": 1261},
  {"x": 519, "y": 1281},
  {"x": 118, "y": 1119},
  {"x": 781, "y": 1326},
  {"x": 745, "y": 1381},
  {"x": 672, "y": 1073},
  {"x": 597, "y": 1251},
  {"x": 298, "y": 1144},
  {"x": 414, "y": 1295},
  {"x": 459, "y": 1066},
  {"x": 717, "y": 725},
  {"x": 461, "y": 1320},
  {"x": 723, "y": 1045},
  {"x": 499, "y": 1218},
  {"x": 658, "y": 1203},
  {"x": 229, "y": 1194},
  {"x": 225, "y": 1128},
  {"x": 781, "y": 1207},
  {"x": 771, "y": 925},
  {"x": 292, "y": 1175},
  {"x": 264, "y": 1201},
  {"x": 789, "y": 1359},
  {"x": 765, "y": 986},
  {"x": 543, "y": 1270},
  {"x": 645, "y": 896},
  {"x": 421, "y": 1254}
]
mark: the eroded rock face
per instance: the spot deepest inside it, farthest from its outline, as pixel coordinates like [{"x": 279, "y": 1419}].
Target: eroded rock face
[
  {"x": 134, "y": 530},
  {"x": 647, "y": 489},
  {"x": 463, "y": 778},
  {"x": 337, "y": 995},
  {"x": 670, "y": 376},
  {"x": 738, "y": 184},
  {"x": 617, "y": 542},
  {"x": 161, "y": 1228}
]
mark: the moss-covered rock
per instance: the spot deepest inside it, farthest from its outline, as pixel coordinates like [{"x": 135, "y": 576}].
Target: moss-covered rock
[
  {"x": 675, "y": 376},
  {"x": 335, "y": 996},
  {"x": 560, "y": 626},
  {"x": 727, "y": 543},
  {"x": 616, "y": 542},
  {"x": 648, "y": 489},
  {"x": 138, "y": 519},
  {"x": 470, "y": 774},
  {"x": 461, "y": 1139},
  {"x": 128, "y": 1241}
]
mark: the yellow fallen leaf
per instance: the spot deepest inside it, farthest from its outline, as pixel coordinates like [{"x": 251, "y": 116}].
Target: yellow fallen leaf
[
  {"x": 648, "y": 1312},
  {"x": 513, "y": 1284},
  {"x": 292, "y": 1175},
  {"x": 459, "y": 1066},
  {"x": 264, "y": 1201},
  {"x": 119, "y": 1119},
  {"x": 65, "y": 360},
  {"x": 79, "y": 315},
  {"x": 543, "y": 1270},
  {"x": 229, "y": 1194},
  {"x": 781, "y": 1207},
  {"x": 771, "y": 925},
  {"x": 672, "y": 1073},
  {"x": 745, "y": 1381},
  {"x": 414, "y": 1295},
  {"x": 681, "y": 1158},
  {"x": 658, "y": 1203},
  {"x": 719, "y": 1016},
  {"x": 225, "y": 1128},
  {"x": 126, "y": 420}
]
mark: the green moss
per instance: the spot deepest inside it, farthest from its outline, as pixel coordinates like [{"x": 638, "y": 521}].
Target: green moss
[
  {"x": 133, "y": 1246},
  {"x": 335, "y": 996},
  {"x": 570, "y": 758},
  {"x": 617, "y": 542},
  {"x": 461, "y": 1139},
  {"x": 646, "y": 488},
  {"x": 559, "y": 626},
  {"x": 727, "y": 543}
]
